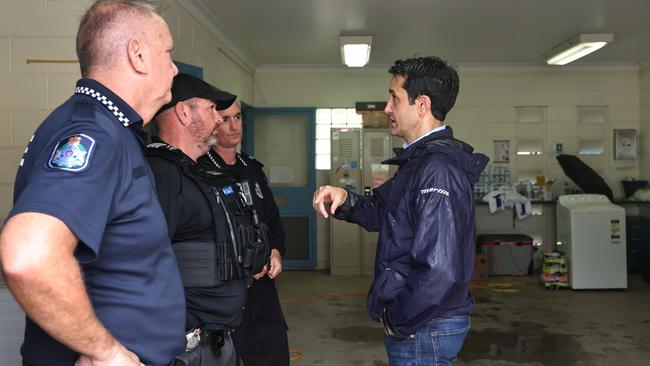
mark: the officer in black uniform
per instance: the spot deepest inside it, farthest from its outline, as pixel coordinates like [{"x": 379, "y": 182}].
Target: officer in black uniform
[
  {"x": 261, "y": 338},
  {"x": 206, "y": 216}
]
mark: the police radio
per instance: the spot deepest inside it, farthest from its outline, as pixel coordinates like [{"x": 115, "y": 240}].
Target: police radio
[{"x": 255, "y": 239}]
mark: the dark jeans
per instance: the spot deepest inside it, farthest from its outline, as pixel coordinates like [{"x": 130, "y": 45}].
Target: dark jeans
[{"x": 437, "y": 343}]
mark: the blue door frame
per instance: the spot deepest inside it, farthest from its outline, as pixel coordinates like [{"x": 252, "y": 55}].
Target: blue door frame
[{"x": 299, "y": 202}]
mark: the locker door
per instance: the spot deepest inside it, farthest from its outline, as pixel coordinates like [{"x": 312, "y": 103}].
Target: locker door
[
  {"x": 345, "y": 238},
  {"x": 377, "y": 146}
]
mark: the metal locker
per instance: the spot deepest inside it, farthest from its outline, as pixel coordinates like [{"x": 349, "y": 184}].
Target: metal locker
[
  {"x": 356, "y": 164},
  {"x": 345, "y": 238},
  {"x": 377, "y": 146}
]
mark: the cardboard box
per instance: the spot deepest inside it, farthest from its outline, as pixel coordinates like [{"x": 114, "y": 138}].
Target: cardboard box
[
  {"x": 374, "y": 119},
  {"x": 480, "y": 268}
]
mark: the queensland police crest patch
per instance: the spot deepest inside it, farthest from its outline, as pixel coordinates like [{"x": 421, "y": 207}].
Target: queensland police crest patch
[{"x": 73, "y": 153}]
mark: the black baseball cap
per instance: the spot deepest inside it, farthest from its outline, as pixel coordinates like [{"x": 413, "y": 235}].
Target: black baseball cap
[{"x": 187, "y": 86}]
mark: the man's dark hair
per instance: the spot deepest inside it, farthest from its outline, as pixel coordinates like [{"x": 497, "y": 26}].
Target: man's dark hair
[
  {"x": 432, "y": 77},
  {"x": 105, "y": 29}
]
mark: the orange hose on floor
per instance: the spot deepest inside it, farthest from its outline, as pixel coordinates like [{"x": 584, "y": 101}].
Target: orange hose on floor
[{"x": 294, "y": 354}]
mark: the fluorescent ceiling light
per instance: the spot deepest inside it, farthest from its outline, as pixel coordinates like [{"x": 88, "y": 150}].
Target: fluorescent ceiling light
[
  {"x": 576, "y": 47},
  {"x": 355, "y": 50}
]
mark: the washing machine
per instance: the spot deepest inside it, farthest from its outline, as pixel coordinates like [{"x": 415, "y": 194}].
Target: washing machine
[{"x": 591, "y": 231}]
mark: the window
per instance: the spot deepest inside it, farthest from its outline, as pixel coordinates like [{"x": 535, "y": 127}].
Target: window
[
  {"x": 531, "y": 114},
  {"x": 326, "y": 119},
  {"x": 529, "y": 147},
  {"x": 590, "y": 147},
  {"x": 592, "y": 114}
]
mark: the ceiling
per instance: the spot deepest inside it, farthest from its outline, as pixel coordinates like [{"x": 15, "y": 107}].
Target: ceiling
[{"x": 305, "y": 32}]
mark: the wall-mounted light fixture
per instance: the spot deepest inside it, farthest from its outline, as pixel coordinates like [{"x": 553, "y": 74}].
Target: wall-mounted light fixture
[
  {"x": 355, "y": 50},
  {"x": 577, "y": 47}
]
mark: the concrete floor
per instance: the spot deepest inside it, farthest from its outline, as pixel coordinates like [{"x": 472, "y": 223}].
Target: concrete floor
[{"x": 516, "y": 322}]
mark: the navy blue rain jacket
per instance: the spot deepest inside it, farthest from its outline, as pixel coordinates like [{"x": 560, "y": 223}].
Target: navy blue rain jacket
[{"x": 425, "y": 216}]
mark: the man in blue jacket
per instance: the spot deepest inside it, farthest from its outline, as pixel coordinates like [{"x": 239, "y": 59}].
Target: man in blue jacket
[{"x": 425, "y": 216}]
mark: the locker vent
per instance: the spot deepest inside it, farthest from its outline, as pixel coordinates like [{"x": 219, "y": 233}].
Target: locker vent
[
  {"x": 377, "y": 147},
  {"x": 348, "y": 255},
  {"x": 345, "y": 148}
]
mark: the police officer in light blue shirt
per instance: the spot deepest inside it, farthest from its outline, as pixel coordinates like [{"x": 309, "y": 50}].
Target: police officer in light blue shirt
[{"x": 85, "y": 250}]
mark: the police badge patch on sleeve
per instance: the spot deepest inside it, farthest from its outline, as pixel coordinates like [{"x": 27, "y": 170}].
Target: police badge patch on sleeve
[{"x": 73, "y": 153}]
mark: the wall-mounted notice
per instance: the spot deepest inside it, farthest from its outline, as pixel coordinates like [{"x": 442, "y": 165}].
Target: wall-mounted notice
[{"x": 501, "y": 151}]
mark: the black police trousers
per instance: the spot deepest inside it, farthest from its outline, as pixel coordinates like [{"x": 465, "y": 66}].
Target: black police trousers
[{"x": 261, "y": 339}]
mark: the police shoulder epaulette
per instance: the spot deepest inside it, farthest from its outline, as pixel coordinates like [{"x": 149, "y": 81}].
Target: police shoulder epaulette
[
  {"x": 249, "y": 158},
  {"x": 83, "y": 111},
  {"x": 164, "y": 150},
  {"x": 162, "y": 146}
]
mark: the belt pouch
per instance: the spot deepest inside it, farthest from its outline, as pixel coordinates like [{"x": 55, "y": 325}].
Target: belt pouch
[
  {"x": 189, "y": 358},
  {"x": 196, "y": 262},
  {"x": 224, "y": 261}
]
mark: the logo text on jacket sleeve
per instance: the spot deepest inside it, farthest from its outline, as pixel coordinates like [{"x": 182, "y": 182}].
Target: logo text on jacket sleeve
[{"x": 434, "y": 190}]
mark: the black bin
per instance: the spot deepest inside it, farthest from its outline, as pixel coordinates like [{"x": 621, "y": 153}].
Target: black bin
[{"x": 630, "y": 186}]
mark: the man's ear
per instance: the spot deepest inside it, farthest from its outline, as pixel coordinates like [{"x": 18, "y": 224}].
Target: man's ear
[
  {"x": 137, "y": 56},
  {"x": 183, "y": 113},
  {"x": 423, "y": 103}
]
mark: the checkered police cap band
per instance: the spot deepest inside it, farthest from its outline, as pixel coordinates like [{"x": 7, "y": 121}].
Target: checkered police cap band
[{"x": 106, "y": 102}]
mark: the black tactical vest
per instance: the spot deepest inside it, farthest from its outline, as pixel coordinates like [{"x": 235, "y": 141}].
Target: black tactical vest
[{"x": 241, "y": 251}]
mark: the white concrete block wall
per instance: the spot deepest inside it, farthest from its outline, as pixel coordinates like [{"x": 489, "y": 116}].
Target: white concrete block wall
[
  {"x": 63, "y": 16},
  {"x": 5, "y": 55},
  {"x": 31, "y": 29},
  {"x": 327, "y": 88},
  {"x": 60, "y": 48},
  {"x": 195, "y": 45},
  {"x": 644, "y": 135},
  {"x": 23, "y": 18}
]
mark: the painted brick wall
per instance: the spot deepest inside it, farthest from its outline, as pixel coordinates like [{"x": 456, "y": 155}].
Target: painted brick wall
[
  {"x": 644, "y": 81},
  {"x": 31, "y": 29}
]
